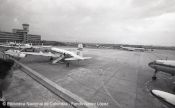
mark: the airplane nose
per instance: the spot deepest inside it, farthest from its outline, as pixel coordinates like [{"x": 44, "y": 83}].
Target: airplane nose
[{"x": 151, "y": 64}]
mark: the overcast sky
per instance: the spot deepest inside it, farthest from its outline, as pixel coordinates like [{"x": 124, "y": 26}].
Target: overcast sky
[{"x": 150, "y": 22}]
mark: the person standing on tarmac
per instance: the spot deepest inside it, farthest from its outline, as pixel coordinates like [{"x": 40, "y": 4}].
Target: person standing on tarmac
[
  {"x": 67, "y": 63},
  {"x": 6, "y": 74}
]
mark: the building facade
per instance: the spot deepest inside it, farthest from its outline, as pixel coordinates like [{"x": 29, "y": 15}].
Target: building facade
[{"x": 19, "y": 35}]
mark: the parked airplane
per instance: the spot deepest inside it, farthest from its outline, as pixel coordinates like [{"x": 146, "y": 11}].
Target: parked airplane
[
  {"x": 133, "y": 48},
  {"x": 53, "y": 52},
  {"x": 15, "y": 45},
  {"x": 8, "y": 44},
  {"x": 165, "y": 97},
  {"x": 166, "y": 66},
  {"x": 15, "y": 53}
]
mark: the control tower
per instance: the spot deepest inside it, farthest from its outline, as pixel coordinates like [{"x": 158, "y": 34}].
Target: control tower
[
  {"x": 25, "y": 27},
  {"x": 25, "y": 32}
]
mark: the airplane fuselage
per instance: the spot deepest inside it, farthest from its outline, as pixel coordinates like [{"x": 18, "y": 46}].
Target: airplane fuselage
[
  {"x": 166, "y": 66},
  {"x": 163, "y": 66},
  {"x": 133, "y": 48}
]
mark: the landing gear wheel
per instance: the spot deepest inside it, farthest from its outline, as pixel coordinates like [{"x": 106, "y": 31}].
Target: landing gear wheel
[{"x": 154, "y": 78}]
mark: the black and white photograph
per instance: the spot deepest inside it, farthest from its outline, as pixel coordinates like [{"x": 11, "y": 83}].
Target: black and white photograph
[{"x": 87, "y": 53}]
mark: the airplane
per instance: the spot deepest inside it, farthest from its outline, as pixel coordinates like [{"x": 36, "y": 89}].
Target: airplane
[
  {"x": 14, "y": 53},
  {"x": 165, "y": 97},
  {"x": 15, "y": 45},
  {"x": 133, "y": 48},
  {"x": 166, "y": 66},
  {"x": 60, "y": 55},
  {"x": 8, "y": 44}
]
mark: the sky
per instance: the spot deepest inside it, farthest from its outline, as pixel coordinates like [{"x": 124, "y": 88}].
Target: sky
[{"x": 146, "y": 22}]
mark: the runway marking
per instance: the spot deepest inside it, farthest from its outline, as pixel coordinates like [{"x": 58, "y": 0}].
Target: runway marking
[
  {"x": 101, "y": 73},
  {"x": 138, "y": 68},
  {"x": 116, "y": 102},
  {"x": 107, "y": 92}
]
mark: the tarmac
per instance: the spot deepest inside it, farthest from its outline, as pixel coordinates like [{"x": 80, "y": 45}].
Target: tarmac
[{"x": 112, "y": 79}]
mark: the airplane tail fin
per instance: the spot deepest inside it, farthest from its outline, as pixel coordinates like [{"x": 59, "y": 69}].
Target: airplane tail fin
[
  {"x": 80, "y": 53},
  {"x": 80, "y": 47},
  {"x": 79, "y": 50}
]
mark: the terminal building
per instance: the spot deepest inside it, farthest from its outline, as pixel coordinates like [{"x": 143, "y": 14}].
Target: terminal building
[{"x": 19, "y": 35}]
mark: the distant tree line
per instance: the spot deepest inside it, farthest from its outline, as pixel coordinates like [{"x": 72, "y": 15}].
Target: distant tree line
[{"x": 101, "y": 45}]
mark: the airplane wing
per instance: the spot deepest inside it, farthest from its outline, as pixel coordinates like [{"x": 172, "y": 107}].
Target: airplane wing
[
  {"x": 41, "y": 54},
  {"x": 37, "y": 47},
  {"x": 164, "y": 96},
  {"x": 73, "y": 58},
  {"x": 86, "y": 58}
]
